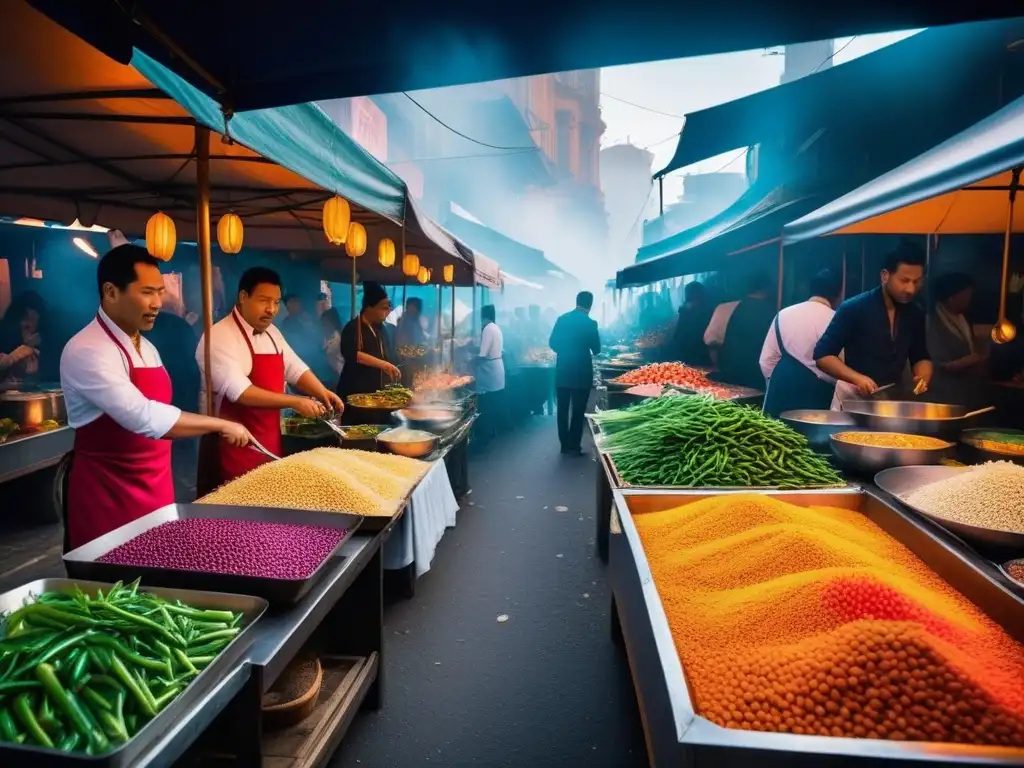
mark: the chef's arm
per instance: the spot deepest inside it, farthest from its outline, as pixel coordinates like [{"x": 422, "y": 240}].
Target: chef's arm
[
  {"x": 312, "y": 386},
  {"x": 194, "y": 425},
  {"x": 374, "y": 362},
  {"x": 837, "y": 369},
  {"x": 256, "y": 397},
  {"x": 923, "y": 369}
]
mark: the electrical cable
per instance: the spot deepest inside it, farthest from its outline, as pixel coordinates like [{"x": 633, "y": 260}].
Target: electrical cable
[
  {"x": 460, "y": 133},
  {"x": 641, "y": 106}
]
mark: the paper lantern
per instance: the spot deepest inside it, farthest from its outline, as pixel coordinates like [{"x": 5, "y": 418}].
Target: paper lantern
[
  {"x": 337, "y": 216},
  {"x": 160, "y": 236},
  {"x": 410, "y": 265},
  {"x": 355, "y": 243},
  {"x": 386, "y": 253},
  {"x": 449, "y": 272},
  {"x": 229, "y": 233},
  {"x": 423, "y": 276}
]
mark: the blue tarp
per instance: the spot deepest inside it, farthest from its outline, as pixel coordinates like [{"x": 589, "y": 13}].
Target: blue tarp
[
  {"x": 250, "y": 56},
  {"x": 985, "y": 150},
  {"x": 906, "y": 84},
  {"x": 513, "y": 256}
]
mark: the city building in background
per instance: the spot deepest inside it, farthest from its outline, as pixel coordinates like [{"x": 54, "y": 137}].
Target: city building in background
[{"x": 626, "y": 184}]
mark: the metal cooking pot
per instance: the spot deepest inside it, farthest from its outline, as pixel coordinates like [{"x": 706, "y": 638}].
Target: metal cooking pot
[
  {"x": 30, "y": 409},
  {"x": 818, "y": 426},
  {"x": 910, "y": 417}
]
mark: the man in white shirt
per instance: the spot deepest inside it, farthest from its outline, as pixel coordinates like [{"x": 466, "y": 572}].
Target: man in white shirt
[
  {"x": 490, "y": 374},
  {"x": 714, "y": 334},
  {"x": 787, "y": 357},
  {"x": 250, "y": 365},
  {"x": 118, "y": 399}
]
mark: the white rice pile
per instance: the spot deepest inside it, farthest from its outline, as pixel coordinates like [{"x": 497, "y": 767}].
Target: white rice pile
[{"x": 990, "y": 495}]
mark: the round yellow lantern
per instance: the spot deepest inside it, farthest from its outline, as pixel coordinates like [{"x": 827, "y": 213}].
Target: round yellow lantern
[
  {"x": 355, "y": 243},
  {"x": 449, "y": 272},
  {"x": 423, "y": 276},
  {"x": 337, "y": 216},
  {"x": 160, "y": 236},
  {"x": 386, "y": 252},
  {"x": 410, "y": 265},
  {"x": 229, "y": 233}
]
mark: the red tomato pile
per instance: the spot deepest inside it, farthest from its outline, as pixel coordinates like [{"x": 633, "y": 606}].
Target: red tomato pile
[{"x": 666, "y": 373}]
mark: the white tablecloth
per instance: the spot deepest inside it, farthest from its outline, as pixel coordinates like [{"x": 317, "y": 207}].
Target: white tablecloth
[{"x": 431, "y": 510}]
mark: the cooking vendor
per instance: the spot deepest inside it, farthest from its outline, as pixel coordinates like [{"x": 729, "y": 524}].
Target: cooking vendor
[
  {"x": 118, "y": 396},
  {"x": 250, "y": 365},
  {"x": 365, "y": 347},
  {"x": 881, "y": 330}
]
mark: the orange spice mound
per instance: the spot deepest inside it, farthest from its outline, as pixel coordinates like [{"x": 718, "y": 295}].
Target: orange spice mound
[{"x": 813, "y": 620}]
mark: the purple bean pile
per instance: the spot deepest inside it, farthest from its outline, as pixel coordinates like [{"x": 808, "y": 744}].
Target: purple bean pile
[{"x": 236, "y": 547}]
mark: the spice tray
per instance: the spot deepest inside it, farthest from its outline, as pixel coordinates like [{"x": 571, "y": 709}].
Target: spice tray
[
  {"x": 900, "y": 482},
  {"x": 82, "y": 563},
  {"x": 678, "y": 735},
  {"x": 181, "y": 708}
]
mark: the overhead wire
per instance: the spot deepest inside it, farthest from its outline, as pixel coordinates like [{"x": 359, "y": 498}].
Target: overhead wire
[
  {"x": 641, "y": 106},
  {"x": 463, "y": 135}
]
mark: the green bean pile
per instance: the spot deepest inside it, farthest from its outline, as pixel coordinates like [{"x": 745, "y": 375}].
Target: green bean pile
[
  {"x": 85, "y": 673},
  {"x": 699, "y": 442}
]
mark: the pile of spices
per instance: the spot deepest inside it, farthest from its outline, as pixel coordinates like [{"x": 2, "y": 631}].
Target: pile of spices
[
  {"x": 989, "y": 495},
  {"x": 812, "y": 620},
  {"x": 893, "y": 440},
  {"x": 696, "y": 441}
]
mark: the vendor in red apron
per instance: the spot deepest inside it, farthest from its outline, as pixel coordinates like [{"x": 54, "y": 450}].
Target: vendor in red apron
[
  {"x": 787, "y": 356},
  {"x": 251, "y": 364},
  {"x": 118, "y": 395}
]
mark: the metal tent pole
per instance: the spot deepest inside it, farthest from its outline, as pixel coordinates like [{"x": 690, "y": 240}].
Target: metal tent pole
[{"x": 205, "y": 257}]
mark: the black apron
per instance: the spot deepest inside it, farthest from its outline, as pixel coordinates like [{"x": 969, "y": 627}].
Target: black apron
[{"x": 793, "y": 386}]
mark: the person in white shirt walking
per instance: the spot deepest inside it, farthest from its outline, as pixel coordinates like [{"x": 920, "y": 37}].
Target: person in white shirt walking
[
  {"x": 118, "y": 398},
  {"x": 787, "y": 357},
  {"x": 490, "y": 375},
  {"x": 250, "y": 365}
]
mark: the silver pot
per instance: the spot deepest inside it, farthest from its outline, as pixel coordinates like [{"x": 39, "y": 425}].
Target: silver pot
[
  {"x": 30, "y": 409},
  {"x": 818, "y": 426},
  {"x": 398, "y": 441},
  {"x": 910, "y": 417}
]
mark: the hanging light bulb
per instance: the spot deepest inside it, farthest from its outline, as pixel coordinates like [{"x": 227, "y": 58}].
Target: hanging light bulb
[
  {"x": 336, "y": 218},
  {"x": 355, "y": 242},
  {"x": 160, "y": 236},
  {"x": 449, "y": 272},
  {"x": 229, "y": 233},
  {"x": 423, "y": 276},
  {"x": 410, "y": 265},
  {"x": 386, "y": 252}
]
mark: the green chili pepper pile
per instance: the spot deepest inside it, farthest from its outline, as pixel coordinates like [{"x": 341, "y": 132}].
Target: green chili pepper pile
[
  {"x": 84, "y": 673},
  {"x": 697, "y": 441}
]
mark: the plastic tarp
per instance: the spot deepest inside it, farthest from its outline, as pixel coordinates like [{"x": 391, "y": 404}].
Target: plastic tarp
[
  {"x": 756, "y": 218},
  {"x": 907, "y": 83},
  {"x": 958, "y": 187},
  {"x": 290, "y": 53},
  {"x": 526, "y": 262}
]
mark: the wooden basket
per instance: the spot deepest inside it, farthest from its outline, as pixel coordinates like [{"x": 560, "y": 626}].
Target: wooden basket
[{"x": 278, "y": 716}]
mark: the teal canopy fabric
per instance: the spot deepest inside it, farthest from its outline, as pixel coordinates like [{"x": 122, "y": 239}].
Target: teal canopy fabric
[{"x": 300, "y": 138}]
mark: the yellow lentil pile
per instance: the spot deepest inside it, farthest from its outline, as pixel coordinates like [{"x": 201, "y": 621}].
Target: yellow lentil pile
[
  {"x": 326, "y": 479},
  {"x": 892, "y": 440},
  {"x": 989, "y": 495},
  {"x": 812, "y": 620}
]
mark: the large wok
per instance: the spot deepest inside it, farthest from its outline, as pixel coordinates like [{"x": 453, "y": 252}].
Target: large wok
[{"x": 911, "y": 417}]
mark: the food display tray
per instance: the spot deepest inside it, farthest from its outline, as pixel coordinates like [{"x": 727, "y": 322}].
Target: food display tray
[
  {"x": 128, "y": 754},
  {"x": 677, "y": 735},
  {"x": 975, "y": 454},
  {"x": 900, "y": 482},
  {"x": 82, "y": 563}
]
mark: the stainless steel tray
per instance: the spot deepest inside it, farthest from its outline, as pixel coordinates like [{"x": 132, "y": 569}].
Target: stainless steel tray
[
  {"x": 900, "y": 482},
  {"x": 128, "y": 754},
  {"x": 82, "y": 563},
  {"x": 677, "y": 735}
]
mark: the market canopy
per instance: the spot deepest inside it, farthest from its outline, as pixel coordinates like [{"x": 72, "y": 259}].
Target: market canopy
[
  {"x": 288, "y": 53},
  {"x": 526, "y": 262},
  {"x": 959, "y": 187},
  {"x": 84, "y": 137},
  {"x": 756, "y": 218},
  {"x": 908, "y": 82}
]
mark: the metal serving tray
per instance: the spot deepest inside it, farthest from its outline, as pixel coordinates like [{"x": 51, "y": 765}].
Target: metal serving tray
[
  {"x": 82, "y": 563},
  {"x": 181, "y": 708},
  {"x": 677, "y": 735}
]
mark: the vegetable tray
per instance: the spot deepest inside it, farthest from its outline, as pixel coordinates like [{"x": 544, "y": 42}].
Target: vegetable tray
[
  {"x": 82, "y": 563},
  {"x": 129, "y": 753}
]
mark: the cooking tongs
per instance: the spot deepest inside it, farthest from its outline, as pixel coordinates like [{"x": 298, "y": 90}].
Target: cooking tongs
[{"x": 255, "y": 445}]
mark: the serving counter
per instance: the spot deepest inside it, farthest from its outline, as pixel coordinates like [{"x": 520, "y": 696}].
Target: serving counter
[
  {"x": 677, "y": 734},
  {"x": 29, "y": 466}
]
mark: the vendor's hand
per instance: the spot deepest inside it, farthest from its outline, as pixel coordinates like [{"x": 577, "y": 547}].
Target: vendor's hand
[
  {"x": 392, "y": 370},
  {"x": 921, "y": 384},
  {"x": 333, "y": 402},
  {"x": 235, "y": 434},
  {"x": 865, "y": 385},
  {"x": 34, "y": 341},
  {"x": 309, "y": 408},
  {"x": 22, "y": 353}
]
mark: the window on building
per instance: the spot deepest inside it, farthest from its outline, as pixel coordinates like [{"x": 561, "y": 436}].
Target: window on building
[{"x": 563, "y": 128}]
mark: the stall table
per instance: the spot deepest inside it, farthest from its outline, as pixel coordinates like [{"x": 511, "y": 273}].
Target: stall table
[{"x": 29, "y": 467}]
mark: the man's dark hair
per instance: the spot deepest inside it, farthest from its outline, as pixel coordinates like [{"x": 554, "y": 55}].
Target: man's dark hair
[
  {"x": 827, "y": 284},
  {"x": 585, "y": 299},
  {"x": 694, "y": 291},
  {"x": 373, "y": 294},
  {"x": 907, "y": 253},
  {"x": 487, "y": 313},
  {"x": 117, "y": 266},
  {"x": 255, "y": 276},
  {"x": 758, "y": 282},
  {"x": 414, "y": 301},
  {"x": 949, "y": 285}
]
